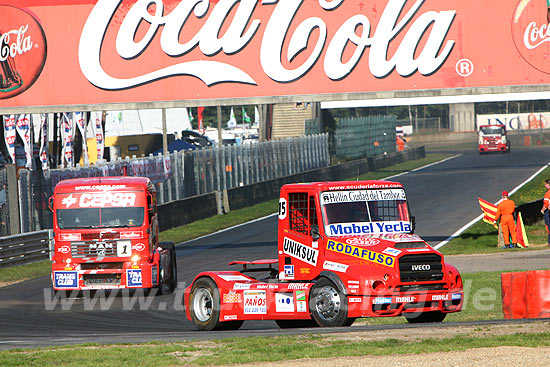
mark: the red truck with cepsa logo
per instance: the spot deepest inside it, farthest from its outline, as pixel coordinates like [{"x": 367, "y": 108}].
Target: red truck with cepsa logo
[
  {"x": 345, "y": 250},
  {"x": 106, "y": 236},
  {"x": 492, "y": 138}
]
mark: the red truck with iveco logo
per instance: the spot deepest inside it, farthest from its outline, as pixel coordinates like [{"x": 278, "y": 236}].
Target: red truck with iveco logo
[
  {"x": 345, "y": 250},
  {"x": 106, "y": 236}
]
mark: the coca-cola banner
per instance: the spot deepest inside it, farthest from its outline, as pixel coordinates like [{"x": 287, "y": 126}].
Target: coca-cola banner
[
  {"x": 123, "y": 51},
  {"x": 23, "y": 127},
  {"x": 10, "y": 135}
]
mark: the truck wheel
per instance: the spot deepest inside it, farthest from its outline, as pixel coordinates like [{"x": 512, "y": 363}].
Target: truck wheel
[
  {"x": 204, "y": 304},
  {"x": 328, "y": 307},
  {"x": 431, "y": 316},
  {"x": 295, "y": 324},
  {"x": 168, "y": 269}
]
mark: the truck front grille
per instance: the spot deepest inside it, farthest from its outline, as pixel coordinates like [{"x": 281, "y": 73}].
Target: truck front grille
[
  {"x": 94, "y": 249},
  {"x": 420, "y": 268}
]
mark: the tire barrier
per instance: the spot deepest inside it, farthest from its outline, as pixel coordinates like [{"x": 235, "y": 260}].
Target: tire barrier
[{"x": 526, "y": 295}]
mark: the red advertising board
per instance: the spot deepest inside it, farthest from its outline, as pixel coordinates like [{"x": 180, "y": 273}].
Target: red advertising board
[{"x": 79, "y": 52}]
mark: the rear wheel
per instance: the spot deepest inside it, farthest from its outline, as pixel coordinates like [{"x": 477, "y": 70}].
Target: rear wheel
[
  {"x": 327, "y": 305},
  {"x": 424, "y": 317}
]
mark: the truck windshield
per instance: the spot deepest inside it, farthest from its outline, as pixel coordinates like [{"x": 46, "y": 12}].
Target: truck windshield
[
  {"x": 100, "y": 217},
  {"x": 365, "y": 206},
  {"x": 492, "y": 130}
]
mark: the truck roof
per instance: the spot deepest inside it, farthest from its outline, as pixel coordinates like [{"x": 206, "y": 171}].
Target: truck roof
[
  {"x": 342, "y": 185},
  {"x": 102, "y": 184}
]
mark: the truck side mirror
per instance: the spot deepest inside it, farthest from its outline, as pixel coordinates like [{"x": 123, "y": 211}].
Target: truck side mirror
[
  {"x": 315, "y": 235},
  {"x": 50, "y": 203},
  {"x": 413, "y": 223}
]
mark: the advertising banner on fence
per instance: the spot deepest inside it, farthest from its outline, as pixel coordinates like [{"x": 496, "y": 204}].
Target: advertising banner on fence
[
  {"x": 517, "y": 121},
  {"x": 93, "y": 52}
]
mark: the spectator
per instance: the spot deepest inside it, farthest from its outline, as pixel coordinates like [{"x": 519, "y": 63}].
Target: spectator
[{"x": 505, "y": 211}]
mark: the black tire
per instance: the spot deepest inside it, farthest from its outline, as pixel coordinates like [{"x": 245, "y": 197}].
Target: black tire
[
  {"x": 168, "y": 269},
  {"x": 425, "y": 317},
  {"x": 295, "y": 324},
  {"x": 328, "y": 307},
  {"x": 204, "y": 304}
]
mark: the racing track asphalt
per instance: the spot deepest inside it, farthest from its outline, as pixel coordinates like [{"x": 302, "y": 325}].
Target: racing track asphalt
[{"x": 443, "y": 197}]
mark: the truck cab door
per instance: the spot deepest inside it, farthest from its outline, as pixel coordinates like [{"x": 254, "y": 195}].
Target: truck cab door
[{"x": 298, "y": 251}]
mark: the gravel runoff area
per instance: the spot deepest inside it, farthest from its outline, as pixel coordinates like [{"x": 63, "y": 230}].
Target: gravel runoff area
[{"x": 487, "y": 357}]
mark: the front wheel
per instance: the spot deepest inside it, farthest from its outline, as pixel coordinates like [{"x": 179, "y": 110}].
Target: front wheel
[
  {"x": 328, "y": 307},
  {"x": 204, "y": 302},
  {"x": 424, "y": 317}
]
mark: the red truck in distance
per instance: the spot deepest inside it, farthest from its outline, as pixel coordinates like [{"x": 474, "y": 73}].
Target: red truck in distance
[
  {"x": 106, "y": 236},
  {"x": 493, "y": 138},
  {"x": 345, "y": 250}
]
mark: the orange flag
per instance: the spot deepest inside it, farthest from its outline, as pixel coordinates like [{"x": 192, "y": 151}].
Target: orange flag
[
  {"x": 489, "y": 212},
  {"x": 521, "y": 234}
]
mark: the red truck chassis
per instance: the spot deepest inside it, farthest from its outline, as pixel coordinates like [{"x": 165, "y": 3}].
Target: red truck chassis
[{"x": 345, "y": 250}]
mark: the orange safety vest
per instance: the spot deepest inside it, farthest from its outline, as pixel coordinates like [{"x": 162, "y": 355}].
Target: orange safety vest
[{"x": 546, "y": 200}]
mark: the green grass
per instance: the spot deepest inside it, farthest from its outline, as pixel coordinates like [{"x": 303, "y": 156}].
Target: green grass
[
  {"x": 482, "y": 237},
  {"x": 24, "y": 272},
  {"x": 260, "y": 349}
]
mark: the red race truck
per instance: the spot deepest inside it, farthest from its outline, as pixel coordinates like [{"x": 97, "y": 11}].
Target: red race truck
[
  {"x": 345, "y": 250},
  {"x": 106, "y": 236},
  {"x": 492, "y": 138}
]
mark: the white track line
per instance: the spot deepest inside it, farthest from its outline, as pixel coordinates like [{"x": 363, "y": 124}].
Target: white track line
[
  {"x": 457, "y": 233},
  {"x": 426, "y": 166}
]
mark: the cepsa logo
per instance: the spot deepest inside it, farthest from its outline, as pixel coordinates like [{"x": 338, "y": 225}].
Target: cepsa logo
[
  {"x": 22, "y": 51},
  {"x": 531, "y": 32}
]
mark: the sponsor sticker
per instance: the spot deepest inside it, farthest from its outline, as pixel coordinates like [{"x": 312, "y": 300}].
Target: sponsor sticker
[
  {"x": 66, "y": 279},
  {"x": 363, "y": 241},
  {"x": 65, "y": 249},
  {"x": 440, "y": 297},
  {"x": 381, "y": 300},
  {"x": 230, "y": 317},
  {"x": 138, "y": 247},
  {"x": 289, "y": 271},
  {"x": 355, "y": 299},
  {"x": 70, "y": 237},
  {"x": 300, "y": 295},
  {"x": 305, "y": 271},
  {"x": 300, "y": 251},
  {"x": 301, "y": 306},
  {"x": 284, "y": 302},
  {"x": 456, "y": 296},
  {"x": 406, "y": 299},
  {"x": 363, "y": 228},
  {"x": 133, "y": 278},
  {"x": 240, "y": 286},
  {"x": 232, "y": 297},
  {"x": 362, "y": 195},
  {"x": 334, "y": 266},
  {"x": 298, "y": 286},
  {"x": 391, "y": 251},
  {"x": 255, "y": 302},
  {"x": 361, "y": 253}
]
